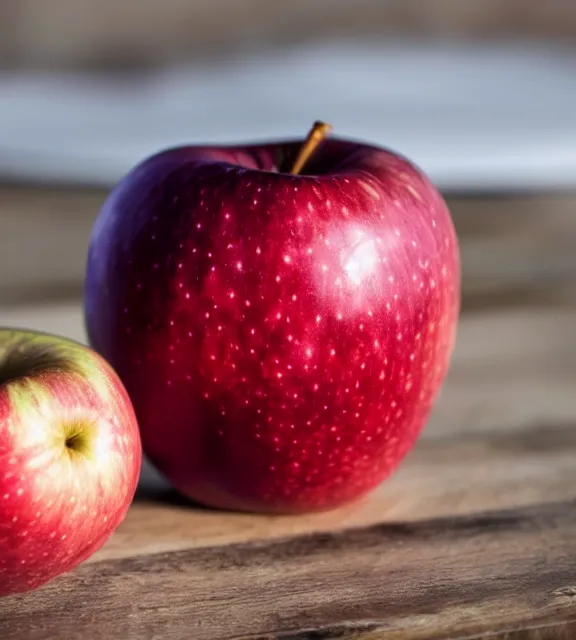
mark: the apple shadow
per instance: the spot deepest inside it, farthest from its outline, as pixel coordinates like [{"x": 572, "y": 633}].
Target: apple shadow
[
  {"x": 164, "y": 496},
  {"x": 153, "y": 488}
]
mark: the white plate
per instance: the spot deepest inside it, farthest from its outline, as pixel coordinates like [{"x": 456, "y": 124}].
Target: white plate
[{"x": 482, "y": 117}]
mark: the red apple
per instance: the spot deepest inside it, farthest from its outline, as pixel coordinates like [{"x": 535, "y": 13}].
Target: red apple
[
  {"x": 283, "y": 337},
  {"x": 70, "y": 456}
]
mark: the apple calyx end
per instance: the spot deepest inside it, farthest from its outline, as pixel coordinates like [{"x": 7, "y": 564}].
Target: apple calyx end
[{"x": 79, "y": 439}]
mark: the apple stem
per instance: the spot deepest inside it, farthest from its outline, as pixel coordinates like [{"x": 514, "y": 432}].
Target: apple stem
[{"x": 315, "y": 136}]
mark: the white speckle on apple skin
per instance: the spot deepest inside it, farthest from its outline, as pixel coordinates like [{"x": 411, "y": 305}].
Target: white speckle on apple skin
[
  {"x": 44, "y": 530},
  {"x": 279, "y": 386}
]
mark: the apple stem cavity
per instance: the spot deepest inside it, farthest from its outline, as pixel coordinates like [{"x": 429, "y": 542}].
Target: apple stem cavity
[{"x": 317, "y": 133}]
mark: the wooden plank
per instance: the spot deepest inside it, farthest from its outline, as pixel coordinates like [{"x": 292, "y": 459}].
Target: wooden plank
[
  {"x": 512, "y": 368},
  {"x": 456, "y": 577},
  {"x": 516, "y": 250},
  {"x": 44, "y": 241},
  {"x": 456, "y": 475},
  {"x": 474, "y": 534}
]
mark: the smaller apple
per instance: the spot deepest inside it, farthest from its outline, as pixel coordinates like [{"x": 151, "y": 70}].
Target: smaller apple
[{"x": 70, "y": 456}]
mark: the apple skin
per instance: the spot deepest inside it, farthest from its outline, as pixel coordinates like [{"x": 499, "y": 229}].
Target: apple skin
[
  {"x": 70, "y": 456},
  {"x": 283, "y": 338}
]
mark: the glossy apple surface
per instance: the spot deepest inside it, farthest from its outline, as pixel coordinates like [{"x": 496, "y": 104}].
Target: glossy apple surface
[
  {"x": 282, "y": 337},
  {"x": 70, "y": 456}
]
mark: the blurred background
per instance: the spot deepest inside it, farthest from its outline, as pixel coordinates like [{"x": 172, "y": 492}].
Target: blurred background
[{"x": 480, "y": 93}]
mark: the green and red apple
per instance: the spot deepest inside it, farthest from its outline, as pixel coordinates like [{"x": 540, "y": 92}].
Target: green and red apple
[{"x": 70, "y": 456}]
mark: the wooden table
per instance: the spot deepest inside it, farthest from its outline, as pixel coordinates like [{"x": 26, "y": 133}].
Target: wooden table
[{"x": 474, "y": 537}]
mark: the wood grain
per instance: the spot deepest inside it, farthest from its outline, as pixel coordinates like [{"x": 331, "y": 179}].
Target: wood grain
[
  {"x": 442, "y": 477},
  {"x": 512, "y": 368},
  {"x": 473, "y": 538},
  {"x": 474, "y": 535},
  {"x": 515, "y": 249},
  {"x": 439, "y": 578}
]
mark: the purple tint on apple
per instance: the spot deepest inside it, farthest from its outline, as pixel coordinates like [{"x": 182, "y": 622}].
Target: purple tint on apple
[{"x": 283, "y": 338}]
